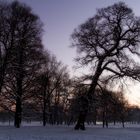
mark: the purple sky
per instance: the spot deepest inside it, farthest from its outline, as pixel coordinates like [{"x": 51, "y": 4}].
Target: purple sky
[{"x": 60, "y": 17}]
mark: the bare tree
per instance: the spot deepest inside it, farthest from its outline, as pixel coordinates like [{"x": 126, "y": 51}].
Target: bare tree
[
  {"x": 107, "y": 42},
  {"x": 26, "y": 53},
  {"x": 113, "y": 106},
  {"x": 51, "y": 86}
]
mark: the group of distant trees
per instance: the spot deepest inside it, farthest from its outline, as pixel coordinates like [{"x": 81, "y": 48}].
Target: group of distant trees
[
  {"x": 34, "y": 85},
  {"x": 107, "y": 106}
]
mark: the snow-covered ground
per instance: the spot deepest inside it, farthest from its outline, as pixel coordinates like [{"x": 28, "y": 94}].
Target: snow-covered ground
[{"x": 36, "y": 132}]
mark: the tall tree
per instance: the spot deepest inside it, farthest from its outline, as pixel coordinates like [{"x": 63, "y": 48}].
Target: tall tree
[
  {"x": 26, "y": 52},
  {"x": 107, "y": 42}
]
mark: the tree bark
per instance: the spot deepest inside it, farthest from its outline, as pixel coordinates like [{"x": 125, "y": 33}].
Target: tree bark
[
  {"x": 81, "y": 120},
  {"x": 19, "y": 80},
  {"x": 90, "y": 95},
  {"x": 103, "y": 119},
  {"x": 44, "y": 107},
  {"x": 18, "y": 113}
]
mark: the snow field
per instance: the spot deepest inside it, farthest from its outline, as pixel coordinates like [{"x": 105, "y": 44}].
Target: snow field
[{"x": 131, "y": 132}]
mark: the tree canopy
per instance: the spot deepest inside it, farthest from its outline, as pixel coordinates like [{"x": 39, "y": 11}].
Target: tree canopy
[{"x": 108, "y": 41}]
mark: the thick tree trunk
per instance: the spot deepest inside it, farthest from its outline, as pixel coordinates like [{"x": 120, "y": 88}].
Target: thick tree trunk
[
  {"x": 90, "y": 95},
  {"x": 81, "y": 121},
  {"x": 19, "y": 93},
  {"x": 18, "y": 113},
  {"x": 84, "y": 110}
]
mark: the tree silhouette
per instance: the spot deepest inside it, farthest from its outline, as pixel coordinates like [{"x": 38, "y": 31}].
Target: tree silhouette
[
  {"x": 52, "y": 80},
  {"x": 107, "y": 42},
  {"x": 23, "y": 31}
]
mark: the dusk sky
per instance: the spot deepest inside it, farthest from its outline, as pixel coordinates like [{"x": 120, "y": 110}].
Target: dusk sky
[{"x": 60, "y": 17}]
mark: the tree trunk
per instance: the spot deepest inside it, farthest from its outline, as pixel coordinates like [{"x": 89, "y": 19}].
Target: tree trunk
[
  {"x": 122, "y": 119},
  {"x": 114, "y": 121},
  {"x": 106, "y": 117},
  {"x": 123, "y": 123},
  {"x": 18, "y": 102},
  {"x": 95, "y": 116},
  {"x": 44, "y": 114},
  {"x": 82, "y": 115},
  {"x": 106, "y": 122},
  {"x": 44, "y": 109},
  {"x": 45, "y": 82},
  {"x": 84, "y": 109},
  {"x": 90, "y": 94},
  {"x": 19, "y": 93},
  {"x": 18, "y": 113},
  {"x": 81, "y": 120}
]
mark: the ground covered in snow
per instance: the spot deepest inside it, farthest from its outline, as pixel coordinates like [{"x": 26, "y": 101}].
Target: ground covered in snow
[{"x": 36, "y": 132}]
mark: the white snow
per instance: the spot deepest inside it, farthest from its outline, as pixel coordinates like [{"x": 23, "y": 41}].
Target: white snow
[{"x": 64, "y": 132}]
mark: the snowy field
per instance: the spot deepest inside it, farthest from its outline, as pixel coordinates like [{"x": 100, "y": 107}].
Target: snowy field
[{"x": 37, "y": 132}]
